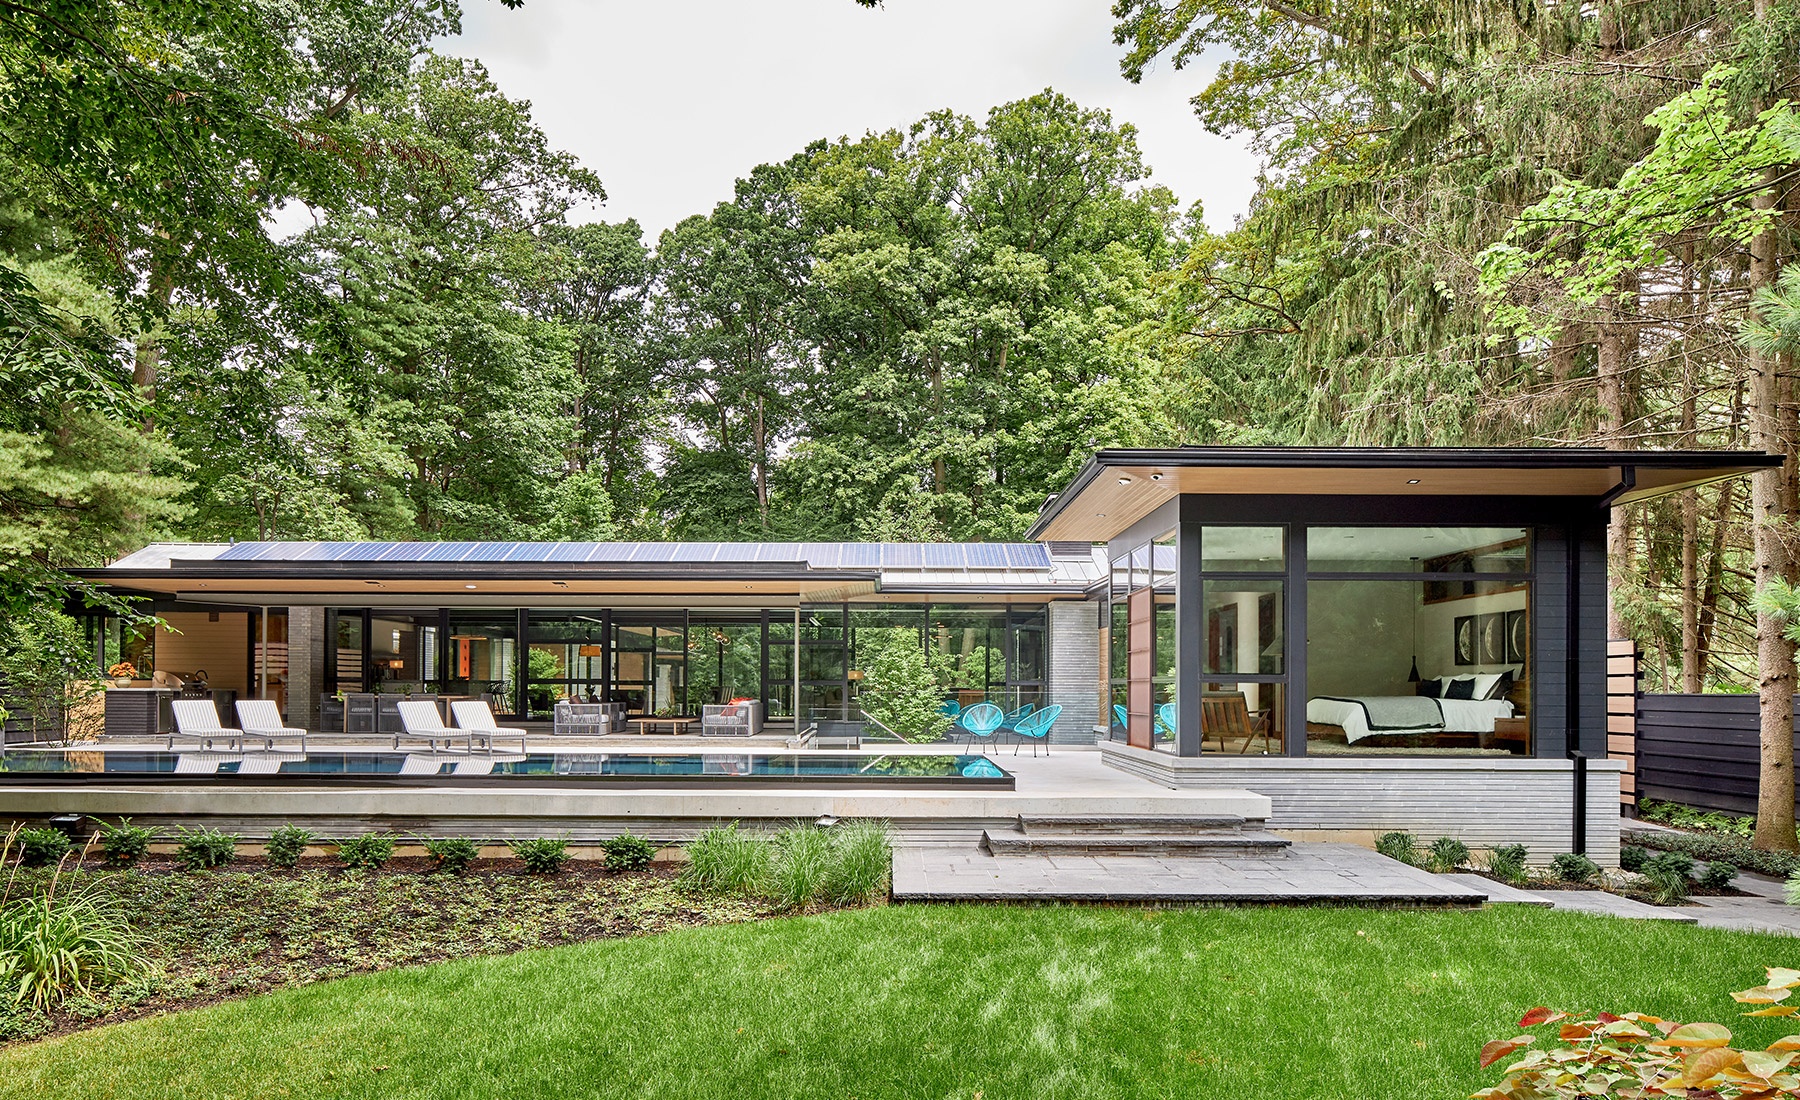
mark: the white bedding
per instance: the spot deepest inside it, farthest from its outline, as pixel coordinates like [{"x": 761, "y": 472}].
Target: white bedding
[{"x": 1460, "y": 716}]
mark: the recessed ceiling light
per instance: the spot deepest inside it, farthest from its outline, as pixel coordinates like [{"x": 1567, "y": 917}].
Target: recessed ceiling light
[
  {"x": 468, "y": 586},
  {"x": 377, "y": 584},
  {"x": 1155, "y": 477},
  {"x": 1099, "y": 515},
  {"x": 1412, "y": 481},
  {"x": 560, "y": 584},
  {"x": 1124, "y": 481}
]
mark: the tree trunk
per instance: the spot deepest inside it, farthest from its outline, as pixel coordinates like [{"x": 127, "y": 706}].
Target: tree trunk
[
  {"x": 1616, "y": 351},
  {"x": 1771, "y": 501},
  {"x": 1690, "y": 500},
  {"x": 762, "y": 467}
]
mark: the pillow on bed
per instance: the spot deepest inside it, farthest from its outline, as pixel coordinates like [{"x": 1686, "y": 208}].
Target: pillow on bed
[
  {"x": 1461, "y": 687},
  {"x": 1484, "y": 684},
  {"x": 1430, "y": 689},
  {"x": 1501, "y": 688}
]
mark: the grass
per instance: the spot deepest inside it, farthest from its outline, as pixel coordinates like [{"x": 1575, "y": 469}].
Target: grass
[{"x": 907, "y": 1001}]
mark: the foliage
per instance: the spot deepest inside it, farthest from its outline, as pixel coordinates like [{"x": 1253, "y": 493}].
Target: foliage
[
  {"x": 724, "y": 860},
  {"x": 1667, "y": 877},
  {"x": 205, "y": 848},
  {"x": 1506, "y": 862},
  {"x": 287, "y": 844},
  {"x": 1401, "y": 846},
  {"x": 1718, "y": 874},
  {"x": 1637, "y": 1054},
  {"x": 1711, "y": 847},
  {"x": 45, "y": 662},
  {"x": 123, "y": 842},
  {"x": 367, "y": 851},
  {"x": 626, "y": 852},
  {"x": 452, "y": 854},
  {"x": 802, "y": 861},
  {"x": 1688, "y": 817},
  {"x": 55, "y": 947},
  {"x": 1632, "y": 858},
  {"x": 1574, "y": 867},
  {"x": 861, "y": 864},
  {"x": 541, "y": 855},
  {"x": 1446, "y": 854},
  {"x": 41, "y": 847},
  {"x": 903, "y": 682}
]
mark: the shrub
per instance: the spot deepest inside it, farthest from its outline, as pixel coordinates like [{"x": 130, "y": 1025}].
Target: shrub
[
  {"x": 53, "y": 947},
  {"x": 803, "y": 857},
  {"x": 287, "y": 844},
  {"x": 1679, "y": 863},
  {"x": 201, "y": 849},
  {"x": 1687, "y": 817},
  {"x": 1507, "y": 862},
  {"x": 1571, "y": 867},
  {"x": 1668, "y": 881},
  {"x": 368, "y": 851},
  {"x": 1446, "y": 854},
  {"x": 1639, "y": 1055},
  {"x": 39, "y": 847},
  {"x": 452, "y": 854},
  {"x": 1633, "y": 858},
  {"x": 724, "y": 860},
  {"x": 1718, "y": 874},
  {"x": 628, "y": 853},
  {"x": 124, "y": 842},
  {"x": 541, "y": 855},
  {"x": 1790, "y": 891},
  {"x": 862, "y": 863},
  {"x": 1401, "y": 846},
  {"x": 1709, "y": 846}
]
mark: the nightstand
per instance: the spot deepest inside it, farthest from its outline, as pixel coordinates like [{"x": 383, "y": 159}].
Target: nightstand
[{"x": 1509, "y": 733}]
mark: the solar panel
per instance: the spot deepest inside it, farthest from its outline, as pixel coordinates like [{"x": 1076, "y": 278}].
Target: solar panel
[
  {"x": 653, "y": 551},
  {"x": 693, "y": 551},
  {"x": 405, "y": 551},
  {"x": 859, "y": 555},
  {"x": 986, "y": 555},
  {"x": 1027, "y": 555},
  {"x": 529, "y": 551},
  {"x": 901, "y": 555},
  {"x": 939, "y": 555}
]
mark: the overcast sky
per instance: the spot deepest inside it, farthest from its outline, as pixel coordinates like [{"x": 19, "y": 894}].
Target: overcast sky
[{"x": 670, "y": 102}]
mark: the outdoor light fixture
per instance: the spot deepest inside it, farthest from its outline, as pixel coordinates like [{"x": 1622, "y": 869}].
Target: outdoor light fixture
[
  {"x": 1124, "y": 481},
  {"x": 825, "y": 821},
  {"x": 1099, "y": 515},
  {"x": 1155, "y": 477},
  {"x": 1412, "y": 481},
  {"x": 468, "y": 586}
]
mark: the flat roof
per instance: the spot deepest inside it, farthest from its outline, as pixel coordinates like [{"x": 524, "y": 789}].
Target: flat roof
[
  {"x": 550, "y": 574},
  {"x": 1118, "y": 487}
]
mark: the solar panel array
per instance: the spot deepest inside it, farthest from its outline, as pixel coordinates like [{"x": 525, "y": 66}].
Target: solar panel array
[{"x": 885, "y": 556}]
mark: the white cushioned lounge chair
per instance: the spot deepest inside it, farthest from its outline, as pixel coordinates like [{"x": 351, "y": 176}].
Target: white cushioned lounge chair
[
  {"x": 420, "y": 721},
  {"x": 198, "y": 720},
  {"x": 260, "y": 719},
  {"x": 474, "y": 717}
]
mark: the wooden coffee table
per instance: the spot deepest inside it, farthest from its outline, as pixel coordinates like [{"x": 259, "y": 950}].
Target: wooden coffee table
[{"x": 676, "y": 725}]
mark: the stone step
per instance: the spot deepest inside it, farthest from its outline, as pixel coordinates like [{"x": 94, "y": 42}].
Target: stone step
[
  {"x": 1130, "y": 824},
  {"x": 1254, "y": 843}
]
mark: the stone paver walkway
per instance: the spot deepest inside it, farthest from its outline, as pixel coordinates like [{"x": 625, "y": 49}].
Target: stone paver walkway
[
  {"x": 1307, "y": 873},
  {"x": 1763, "y": 911}
]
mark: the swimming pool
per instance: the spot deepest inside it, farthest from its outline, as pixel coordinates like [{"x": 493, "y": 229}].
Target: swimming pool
[{"x": 97, "y": 765}]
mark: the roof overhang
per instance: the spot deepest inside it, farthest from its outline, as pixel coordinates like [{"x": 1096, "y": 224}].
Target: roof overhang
[{"x": 1117, "y": 488}]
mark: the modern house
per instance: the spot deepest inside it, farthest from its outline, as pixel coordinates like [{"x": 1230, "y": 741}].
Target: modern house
[{"x": 1373, "y": 638}]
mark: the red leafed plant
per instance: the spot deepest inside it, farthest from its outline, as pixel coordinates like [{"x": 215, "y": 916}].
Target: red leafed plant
[{"x": 1636, "y": 1055}]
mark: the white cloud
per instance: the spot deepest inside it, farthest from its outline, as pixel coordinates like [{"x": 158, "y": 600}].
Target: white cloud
[{"x": 672, "y": 102}]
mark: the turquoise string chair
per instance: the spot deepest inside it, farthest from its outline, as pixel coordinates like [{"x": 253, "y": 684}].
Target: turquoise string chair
[
  {"x": 981, "y": 721},
  {"x": 1120, "y": 718},
  {"x": 1037, "y": 727},
  {"x": 950, "y": 708},
  {"x": 1165, "y": 721},
  {"x": 1017, "y": 716}
]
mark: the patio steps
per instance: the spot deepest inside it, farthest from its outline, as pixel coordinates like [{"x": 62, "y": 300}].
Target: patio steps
[{"x": 1134, "y": 835}]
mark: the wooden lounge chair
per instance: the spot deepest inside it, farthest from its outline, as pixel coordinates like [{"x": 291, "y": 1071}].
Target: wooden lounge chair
[
  {"x": 198, "y": 720},
  {"x": 261, "y": 721},
  {"x": 477, "y": 721},
  {"x": 420, "y": 721}
]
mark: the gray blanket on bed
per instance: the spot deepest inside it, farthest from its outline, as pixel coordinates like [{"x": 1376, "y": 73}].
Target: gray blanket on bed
[{"x": 1388, "y": 713}]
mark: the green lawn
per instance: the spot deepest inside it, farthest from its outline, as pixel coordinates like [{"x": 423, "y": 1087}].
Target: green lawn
[{"x": 936, "y": 1002}]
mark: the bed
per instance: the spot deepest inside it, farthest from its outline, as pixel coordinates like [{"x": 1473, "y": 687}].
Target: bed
[{"x": 1405, "y": 715}]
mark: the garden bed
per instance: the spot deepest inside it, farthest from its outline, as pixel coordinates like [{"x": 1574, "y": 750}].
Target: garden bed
[{"x": 250, "y": 928}]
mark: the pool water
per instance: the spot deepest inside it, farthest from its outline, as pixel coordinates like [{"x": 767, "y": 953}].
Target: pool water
[{"x": 22, "y": 766}]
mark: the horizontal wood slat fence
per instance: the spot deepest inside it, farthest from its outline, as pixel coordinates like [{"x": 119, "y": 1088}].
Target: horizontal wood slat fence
[{"x": 1699, "y": 750}]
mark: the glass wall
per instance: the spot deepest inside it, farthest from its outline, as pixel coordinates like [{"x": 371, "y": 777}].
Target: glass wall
[
  {"x": 650, "y": 657},
  {"x": 1419, "y": 641},
  {"x": 483, "y": 659},
  {"x": 565, "y": 659}
]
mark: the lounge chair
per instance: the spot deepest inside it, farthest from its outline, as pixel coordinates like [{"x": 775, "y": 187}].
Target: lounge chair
[
  {"x": 198, "y": 720},
  {"x": 260, "y": 720},
  {"x": 478, "y": 721},
  {"x": 420, "y": 721},
  {"x": 981, "y": 721},
  {"x": 1037, "y": 727}
]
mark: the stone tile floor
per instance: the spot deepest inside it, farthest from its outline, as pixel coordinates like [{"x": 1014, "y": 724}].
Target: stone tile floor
[
  {"x": 1307, "y": 873},
  {"x": 1310, "y": 873}
]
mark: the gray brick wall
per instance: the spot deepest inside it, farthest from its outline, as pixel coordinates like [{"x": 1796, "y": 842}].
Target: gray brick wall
[
  {"x": 306, "y": 665},
  {"x": 1073, "y": 678}
]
